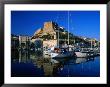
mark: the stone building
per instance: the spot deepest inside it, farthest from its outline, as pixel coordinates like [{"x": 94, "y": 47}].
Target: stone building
[
  {"x": 50, "y": 28},
  {"x": 38, "y": 33},
  {"x": 14, "y": 46},
  {"x": 14, "y": 41},
  {"x": 24, "y": 42},
  {"x": 50, "y": 43}
]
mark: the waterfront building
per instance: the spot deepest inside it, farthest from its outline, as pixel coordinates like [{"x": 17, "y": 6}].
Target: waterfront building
[
  {"x": 24, "y": 42},
  {"x": 24, "y": 47},
  {"x": 14, "y": 41},
  {"x": 14, "y": 46},
  {"x": 19, "y": 45}
]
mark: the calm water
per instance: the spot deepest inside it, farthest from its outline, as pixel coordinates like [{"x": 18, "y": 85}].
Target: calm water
[{"x": 36, "y": 66}]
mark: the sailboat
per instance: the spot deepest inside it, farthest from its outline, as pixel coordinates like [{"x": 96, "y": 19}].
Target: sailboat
[{"x": 59, "y": 52}]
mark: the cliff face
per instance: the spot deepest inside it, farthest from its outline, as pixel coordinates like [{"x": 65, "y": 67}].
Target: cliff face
[
  {"x": 37, "y": 31},
  {"x": 48, "y": 29}
]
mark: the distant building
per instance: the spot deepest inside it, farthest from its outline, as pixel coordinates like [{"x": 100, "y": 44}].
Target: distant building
[
  {"x": 24, "y": 42},
  {"x": 93, "y": 42},
  {"x": 14, "y": 41},
  {"x": 14, "y": 46},
  {"x": 19, "y": 41}
]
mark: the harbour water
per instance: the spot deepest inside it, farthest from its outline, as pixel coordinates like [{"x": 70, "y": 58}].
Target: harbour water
[{"x": 32, "y": 65}]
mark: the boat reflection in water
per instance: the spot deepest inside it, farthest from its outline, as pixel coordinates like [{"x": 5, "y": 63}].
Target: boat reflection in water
[{"x": 35, "y": 65}]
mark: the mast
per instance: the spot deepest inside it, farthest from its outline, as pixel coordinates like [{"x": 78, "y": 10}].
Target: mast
[
  {"x": 57, "y": 30},
  {"x": 58, "y": 37},
  {"x": 91, "y": 44},
  {"x": 68, "y": 27}
]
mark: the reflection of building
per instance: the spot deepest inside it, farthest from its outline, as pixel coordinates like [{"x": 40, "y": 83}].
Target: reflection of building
[{"x": 48, "y": 69}]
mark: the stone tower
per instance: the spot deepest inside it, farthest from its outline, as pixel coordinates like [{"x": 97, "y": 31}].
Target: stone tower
[{"x": 50, "y": 27}]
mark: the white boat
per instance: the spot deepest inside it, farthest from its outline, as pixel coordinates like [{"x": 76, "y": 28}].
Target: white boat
[
  {"x": 61, "y": 53},
  {"x": 85, "y": 53},
  {"x": 81, "y": 54}
]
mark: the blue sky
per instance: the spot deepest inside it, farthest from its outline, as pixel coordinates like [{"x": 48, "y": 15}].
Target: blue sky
[{"x": 81, "y": 23}]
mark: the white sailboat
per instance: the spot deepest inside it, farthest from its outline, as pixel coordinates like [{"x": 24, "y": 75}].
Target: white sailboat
[{"x": 62, "y": 52}]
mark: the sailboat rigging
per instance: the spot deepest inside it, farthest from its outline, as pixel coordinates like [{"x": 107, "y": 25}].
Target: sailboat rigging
[{"x": 62, "y": 52}]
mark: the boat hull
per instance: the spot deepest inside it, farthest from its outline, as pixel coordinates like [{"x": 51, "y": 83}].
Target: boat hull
[
  {"x": 58, "y": 55},
  {"x": 81, "y": 55}
]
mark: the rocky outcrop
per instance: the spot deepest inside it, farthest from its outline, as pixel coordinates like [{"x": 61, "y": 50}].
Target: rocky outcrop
[{"x": 48, "y": 29}]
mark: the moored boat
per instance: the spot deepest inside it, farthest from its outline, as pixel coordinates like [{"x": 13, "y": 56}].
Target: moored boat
[
  {"x": 61, "y": 53},
  {"x": 81, "y": 54},
  {"x": 85, "y": 53}
]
